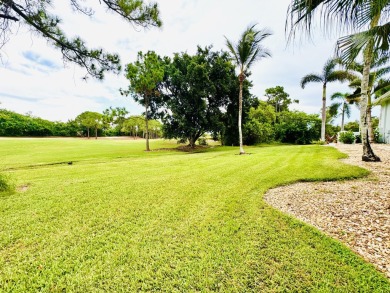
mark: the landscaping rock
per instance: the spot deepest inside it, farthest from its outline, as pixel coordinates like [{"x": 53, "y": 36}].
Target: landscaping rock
[{"x": 357, "y": 212}]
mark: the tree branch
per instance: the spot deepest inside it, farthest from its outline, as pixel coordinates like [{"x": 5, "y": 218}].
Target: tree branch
[{"x": 8, "y": 17}]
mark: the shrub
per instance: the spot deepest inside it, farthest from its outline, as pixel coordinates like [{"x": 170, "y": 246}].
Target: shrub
[
  {"x": 297, "y": 127},
  {"x": 347, "y": 137},
  {"x": 257, "y": 132},
  {"x": 377, "y": 136}
]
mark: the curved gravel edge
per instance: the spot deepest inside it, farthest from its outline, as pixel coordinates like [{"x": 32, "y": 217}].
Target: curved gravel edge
[{"x": 356, "y": 212}]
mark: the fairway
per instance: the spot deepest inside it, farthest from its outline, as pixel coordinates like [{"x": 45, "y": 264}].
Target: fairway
[{"x": 119, "y": 219}]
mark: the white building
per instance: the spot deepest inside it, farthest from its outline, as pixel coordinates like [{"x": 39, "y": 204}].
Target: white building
[{"x": 384, "y": 120}]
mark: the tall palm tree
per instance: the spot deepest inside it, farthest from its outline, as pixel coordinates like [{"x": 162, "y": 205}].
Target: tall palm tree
[
  {"x": 247, "y": 51},
  {"x": 376, "y": 84},
  {"x": 329, "y": 74},
  {"x": 343, "y": 104},
  {"x": 367, "y": 20}
]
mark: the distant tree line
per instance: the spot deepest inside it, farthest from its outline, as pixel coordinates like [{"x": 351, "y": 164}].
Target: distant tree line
[
  {"x": 14, "y": 124},
  {"x": 112, "y": 122}
]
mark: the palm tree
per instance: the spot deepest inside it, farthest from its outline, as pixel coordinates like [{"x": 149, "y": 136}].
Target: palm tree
[
  {"x": 343, "y": 104},
  {"x": 247, "y": 51},
  {"x": 376, "y": 84},
  {"x": 329, "y": 74},
  {"x": 367, "y": 20}
]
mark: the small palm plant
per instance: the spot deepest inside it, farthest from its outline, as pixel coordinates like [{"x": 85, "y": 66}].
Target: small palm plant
[
  {"x": 343, "y": 104},
  {"x": 247, "y": 51}
]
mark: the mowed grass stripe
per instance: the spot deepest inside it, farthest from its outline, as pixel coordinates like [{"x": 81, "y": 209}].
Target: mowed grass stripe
[{"x": 175, "y": 222}]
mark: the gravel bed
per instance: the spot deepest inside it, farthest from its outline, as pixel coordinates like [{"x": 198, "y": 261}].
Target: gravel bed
[{"x": 357, "y": 212}]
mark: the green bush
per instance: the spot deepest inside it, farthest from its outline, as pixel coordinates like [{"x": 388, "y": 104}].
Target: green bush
[
  {"x": 297, "y": 127},
  {"x": 347, "y": 137},
  {"x": 377, "y": 136},
  {"x": 257, "y": 132}
]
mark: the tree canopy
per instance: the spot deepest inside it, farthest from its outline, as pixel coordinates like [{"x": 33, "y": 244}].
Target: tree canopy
[
  {"x": 90, "y": 120},
  {"x": 278, "y": 98},
  {"x": 196, "y": 89},
  {"x": 144, "y": 76},
  {"x": 36, "y": 14}
]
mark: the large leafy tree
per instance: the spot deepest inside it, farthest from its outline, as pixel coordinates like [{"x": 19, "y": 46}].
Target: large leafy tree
[
  {"x": 368, "y": 23},
  {"x": 36, "y": 15},
  {"x": 145, "y": 75},
  {"x": 260, "y": 125},
  {"x": 245, "y": 53},
  {"x": 197, "y": 88},
  {"x": 91, "y": 120},
  {"x": 278, "y": 98},
  {"x": 133, "y": 125},
  {"x": 329, "y": 74},
  {"x": 114, "y": 118}
]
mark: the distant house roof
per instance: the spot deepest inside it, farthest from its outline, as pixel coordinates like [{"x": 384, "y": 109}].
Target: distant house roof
[{"x": 383, "y": 99}]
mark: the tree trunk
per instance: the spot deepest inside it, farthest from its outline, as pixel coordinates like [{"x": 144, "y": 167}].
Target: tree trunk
[
  {"x": 88, "y": 132},
  {"x": 95, "y": 132},
  {"x": 241, "y": 79},
  {"x": 368, "y": 153},
  {"x": 342, "y": 117},
  {"x": 369, "y": 121},
  {"x": 192, "y": 141},
  {"x": 323, "y": 123},
  {"x": 147, "y": 124}
]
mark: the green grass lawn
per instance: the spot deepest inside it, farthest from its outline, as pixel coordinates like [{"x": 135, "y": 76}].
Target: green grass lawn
[{"x": 121, "y": 219}]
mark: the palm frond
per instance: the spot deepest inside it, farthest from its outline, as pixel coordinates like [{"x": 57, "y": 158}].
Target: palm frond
[
  {"x": 334, "y": 109},
  {"x": 248, "y": 49},
  {"x": 340, "y": 75},
  {"x": 311, "y": 78},
  {"x": 337, "y": 95},
  {"x": 357, "y": 82},
  {"x": 329, "y": 66},
  {"x": 349, "y": 47},
  {"x": 382, "y": 71},
  {"x": 232, "y": 49},
  {"x": 382, "y": 87},
  {"x": 347, "y": 110},
  {"x": 350, "y": 15},
  {"x": 260, "y": 53}
]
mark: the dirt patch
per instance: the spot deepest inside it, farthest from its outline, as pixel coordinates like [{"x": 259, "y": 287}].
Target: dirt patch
[
  {"x": 23, "y": 188},
  {"x": 357, "y": 212}
]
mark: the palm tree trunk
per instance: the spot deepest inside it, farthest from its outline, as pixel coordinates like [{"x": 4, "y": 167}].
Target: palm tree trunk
[
  {"x": 241, "y": 78},
  {"x": 147, "y": 125},
  {"x": 342, "y": 117},
  {"x": 323, "y": 112},
  {"x": 368, "y": 153},
  {"x": 369, "y": 120}
]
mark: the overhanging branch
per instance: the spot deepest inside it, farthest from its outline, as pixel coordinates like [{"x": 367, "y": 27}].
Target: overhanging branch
[{"x": 8, "y": 17}]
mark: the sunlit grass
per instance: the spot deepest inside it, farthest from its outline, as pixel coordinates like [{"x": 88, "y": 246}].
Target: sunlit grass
[{"x": 121, "y": 219}]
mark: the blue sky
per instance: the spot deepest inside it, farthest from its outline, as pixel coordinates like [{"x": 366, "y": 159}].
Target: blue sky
[{"x": 34, "y": 78}]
